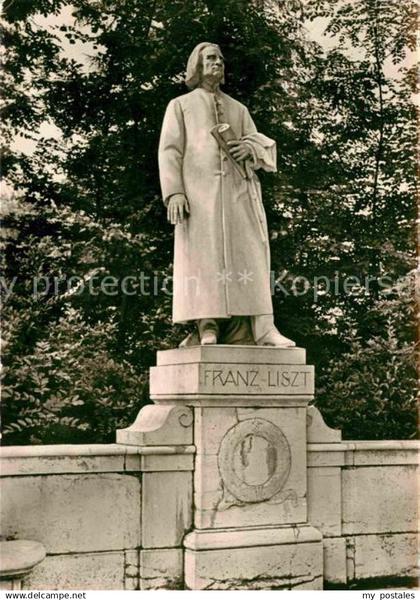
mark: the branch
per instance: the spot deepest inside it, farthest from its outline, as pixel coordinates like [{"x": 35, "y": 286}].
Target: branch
[{"x": 379, "y": 150}]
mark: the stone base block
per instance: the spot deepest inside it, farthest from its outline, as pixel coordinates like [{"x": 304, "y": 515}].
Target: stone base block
[
  {"x": 86, "y": 571},
  {"x": 335, "y": 560},
  {"x": 254, "y": 559},
  {"x": 10, "y": 584},
  {"x": 214, "y": 376},
  {"x": 74, "y": 513},
  {"x": 383, "y": 555},
  {"x": 161, "y": 569}
]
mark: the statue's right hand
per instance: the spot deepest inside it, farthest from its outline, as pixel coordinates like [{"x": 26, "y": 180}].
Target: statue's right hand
[{"x": 178, "y": 208}]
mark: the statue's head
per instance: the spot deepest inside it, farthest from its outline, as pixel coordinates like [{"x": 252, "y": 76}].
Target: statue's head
[{"x": 206, "y": 60}]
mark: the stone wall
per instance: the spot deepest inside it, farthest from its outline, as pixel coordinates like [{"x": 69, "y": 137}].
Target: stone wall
[
  {"x": 109, "y": 516},
  {"x": 114, "y": 516},
  {"x": 363, "y": 498}
]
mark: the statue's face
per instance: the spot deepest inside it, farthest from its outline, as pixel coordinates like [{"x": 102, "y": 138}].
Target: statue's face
[{"x": 212, "y": 64}]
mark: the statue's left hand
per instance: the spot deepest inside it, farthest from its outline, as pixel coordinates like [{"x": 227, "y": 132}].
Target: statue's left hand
[
  {"x": 178, "y": 208},
  {"x": 239, "y": 150}
]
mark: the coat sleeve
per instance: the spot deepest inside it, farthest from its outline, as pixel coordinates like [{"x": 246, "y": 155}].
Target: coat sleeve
[
  {"x": 171, "y": 151},
  {"x": 263, "y": 148}
]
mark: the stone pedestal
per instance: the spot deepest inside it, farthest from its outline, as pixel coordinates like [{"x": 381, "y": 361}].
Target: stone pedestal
[{"x": 250, "y": 512}]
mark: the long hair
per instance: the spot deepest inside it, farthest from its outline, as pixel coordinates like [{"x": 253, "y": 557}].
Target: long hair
[{"x": 193, "y": 75}]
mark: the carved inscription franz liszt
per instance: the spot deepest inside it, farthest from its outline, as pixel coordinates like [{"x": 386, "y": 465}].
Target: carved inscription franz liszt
[
  {"x": 261, "y": 377},
  {"x": 231, "y": 376}
]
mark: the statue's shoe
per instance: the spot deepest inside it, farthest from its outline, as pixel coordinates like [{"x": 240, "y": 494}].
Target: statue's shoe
[
  {"x": 208, "y": 337},
  {"x": 192, "y": 339},
  {"x": 275, "y": 338}
]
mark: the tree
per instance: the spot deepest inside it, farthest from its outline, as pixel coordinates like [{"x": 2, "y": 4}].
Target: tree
[{"x": 366, "y": 125}]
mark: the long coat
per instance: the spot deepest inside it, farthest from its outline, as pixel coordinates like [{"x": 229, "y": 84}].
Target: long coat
[{"x": 221, "y": 259}]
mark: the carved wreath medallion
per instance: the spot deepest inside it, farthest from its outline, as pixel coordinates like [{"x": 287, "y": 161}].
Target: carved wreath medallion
[{"x": 254, "y": 460}]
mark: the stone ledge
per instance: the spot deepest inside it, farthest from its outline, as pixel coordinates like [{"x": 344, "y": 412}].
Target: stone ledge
[
  {"x": 241, "y": 537},
  {"x": 363, "y": 454},
  {"x": 385, "y": 445},
  {"x": 112, "y": 458},
  {"x": 240, "y": 400},
  {"x": 410, "y": 445},
  {"x": 86, "y": 450},
  {"x": 19, "y": 557},
  {"x": 232, "y": 354}
]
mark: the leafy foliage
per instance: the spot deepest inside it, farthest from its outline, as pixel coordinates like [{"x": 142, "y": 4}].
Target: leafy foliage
[
  {"x": 70, "y": 388},
  {"x": 87, "y": 202},
  {"x": 368, "y": 391}
]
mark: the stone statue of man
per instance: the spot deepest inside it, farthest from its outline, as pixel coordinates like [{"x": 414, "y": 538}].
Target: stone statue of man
[{"x": 213, "y": 197}]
